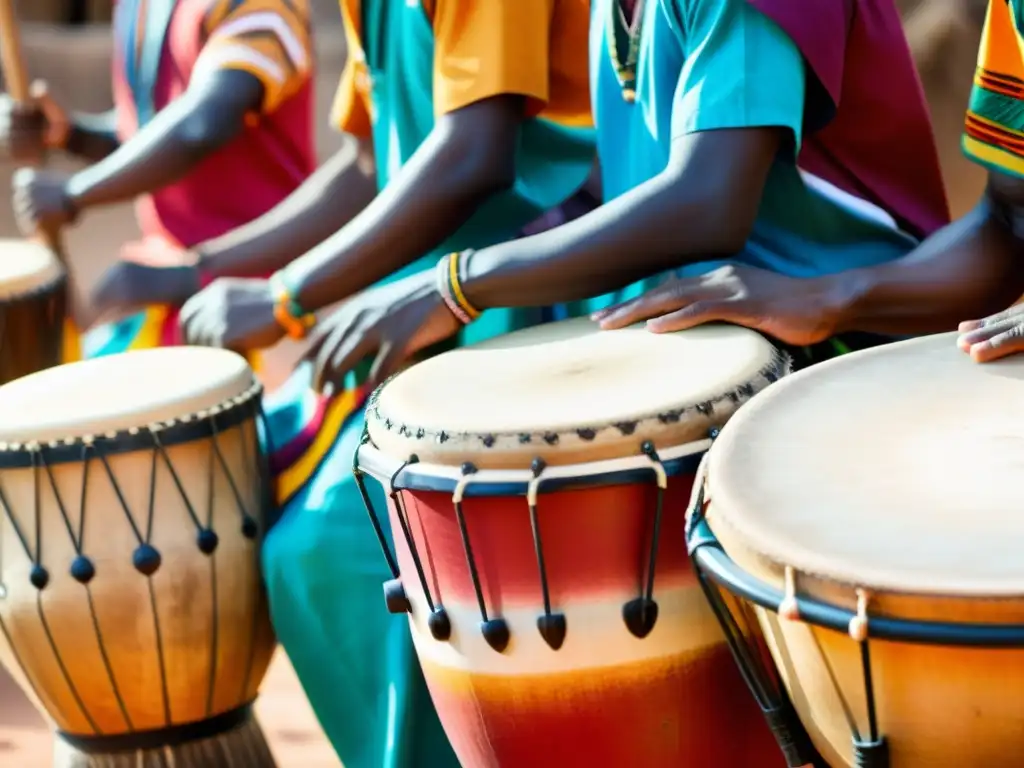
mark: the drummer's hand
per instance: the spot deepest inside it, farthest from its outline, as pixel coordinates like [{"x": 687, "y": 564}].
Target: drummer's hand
[
  {"x": 234, "y": 313},
  {"x": 130, "y": 285},
  {"x": 41, "y": 200},
  {"x": 28, "y": 130},
  {"x": 391, "y": 322},
  {"x": 994, "y": 337},
  {"x": 791, "y": 310}
]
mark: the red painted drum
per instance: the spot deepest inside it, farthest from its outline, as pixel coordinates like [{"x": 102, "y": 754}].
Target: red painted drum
[{"x": 535, "y": 480}]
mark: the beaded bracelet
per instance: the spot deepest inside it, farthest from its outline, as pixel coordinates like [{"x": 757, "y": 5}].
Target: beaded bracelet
[
  {"x": 450, "y": 273},
  {"x": 288, "y": 313}
]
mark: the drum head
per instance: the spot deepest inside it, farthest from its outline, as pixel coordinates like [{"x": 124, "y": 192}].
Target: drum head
[
  {"x": 26, "y": 266},
  {"x": 568, "y": 393},
  {"x": 120, "y": 392},
  {"x": 900, "y": 469}
]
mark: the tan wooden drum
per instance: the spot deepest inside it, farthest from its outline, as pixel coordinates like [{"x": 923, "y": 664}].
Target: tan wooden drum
[
  {"x": 133, "y": 497},
  {"x": 539, "y": 488},
  {"x": 869, "y": 512},
  {"x": 33, "y": 302}
]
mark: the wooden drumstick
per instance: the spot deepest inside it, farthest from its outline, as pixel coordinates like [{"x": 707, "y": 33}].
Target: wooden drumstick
[
  {"x": 15, "y": 73},
  {"x": 12, "y": 57}
]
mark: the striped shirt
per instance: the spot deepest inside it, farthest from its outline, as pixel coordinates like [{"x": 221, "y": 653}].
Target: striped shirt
[{"x": 994, "y": 128}]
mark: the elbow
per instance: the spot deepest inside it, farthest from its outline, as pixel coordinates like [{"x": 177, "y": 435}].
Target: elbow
[
  {"x": 489, "y": 173},
  {"x": 478, "y": 164},
  {"x": 710, "y": 217},
  {"x": 200, "y": 135}
]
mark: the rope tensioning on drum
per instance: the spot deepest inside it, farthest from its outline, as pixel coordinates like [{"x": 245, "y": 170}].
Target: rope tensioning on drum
[
  {"x": 872, "y": 752},
  {"x": 774, "y": 701},
  {"x": 641, "y": 613},
  {"x": 438, "y": 622},
  {"x": 495, "y": 630},
  {"x": 775, "y": 705},
  {"x": 552, "y": 626}
]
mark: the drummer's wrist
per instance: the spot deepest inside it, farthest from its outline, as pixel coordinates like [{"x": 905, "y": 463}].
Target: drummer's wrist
[
  {"x": 450, "y": 277},
  {"x": 294, "y": 319},
  {"x": 845, "y": 298}
]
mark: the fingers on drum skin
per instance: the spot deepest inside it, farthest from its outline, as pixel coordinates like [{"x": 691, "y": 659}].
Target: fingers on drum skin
[
  {"x": 656, "y": 302},
  {"x": 991, "y": 329},
  {"x": 693, "y": 314},
  {"x": 1009, "y": 343}
]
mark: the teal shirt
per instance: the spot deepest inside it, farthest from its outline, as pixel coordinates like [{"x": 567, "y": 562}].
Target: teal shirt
[
  {"x": 552, "y": 161},
  {"x": 708, "y": 65}
]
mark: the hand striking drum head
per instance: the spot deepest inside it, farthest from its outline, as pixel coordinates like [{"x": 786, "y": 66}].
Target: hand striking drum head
[
  {"x": 540, "y": 486},
  {"x": 569, "y": 392},
  {"x": 883, "y": 489},
  {"x": 132, "y": 500}
]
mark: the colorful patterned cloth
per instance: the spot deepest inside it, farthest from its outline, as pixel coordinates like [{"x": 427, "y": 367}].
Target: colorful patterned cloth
[{"x": 994, "y": 131}]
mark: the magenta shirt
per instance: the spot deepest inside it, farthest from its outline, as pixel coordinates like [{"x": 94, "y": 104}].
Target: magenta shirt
[{"x": 237, "y": 183}]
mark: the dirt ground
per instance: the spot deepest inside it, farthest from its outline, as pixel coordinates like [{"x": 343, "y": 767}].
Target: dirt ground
[{"x": 284, "y": 713}]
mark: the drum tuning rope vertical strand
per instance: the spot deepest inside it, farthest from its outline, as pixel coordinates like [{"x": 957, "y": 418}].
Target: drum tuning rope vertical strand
[
  {"x": 438, "y": 622},
  {"x": 874, "y": 752},
  {"x": 552, "y": 626},
  {"x": 766, "y": 689},
  {"x": 495, "y": 631},
  {"x": 378, "y": 529},
  {"x": 641, "y": 614}
]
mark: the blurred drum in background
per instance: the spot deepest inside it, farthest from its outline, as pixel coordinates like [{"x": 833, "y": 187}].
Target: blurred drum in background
[
  {"x": 133, "y": 501},
  {"x": 539, "y": 484},
  {"x": 862, "y": 518},
  {"x": 33, "y": 300}
]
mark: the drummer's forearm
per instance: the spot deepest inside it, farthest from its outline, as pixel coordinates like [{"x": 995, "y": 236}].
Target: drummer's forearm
[
  {"x": 173, "y": 143},
  {"x": 93, "y": 136},
  {"x": 701, "y": 207},
  {"x": 971, "y": 268},
  {"x": 326, "y": 201},
  {"x": 467, "y": 159}
]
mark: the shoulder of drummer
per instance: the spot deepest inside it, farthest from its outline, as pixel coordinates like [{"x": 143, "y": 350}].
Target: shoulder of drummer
[
  {"x": 270, "y": 39},
  {"x": 994, "y": 126}
]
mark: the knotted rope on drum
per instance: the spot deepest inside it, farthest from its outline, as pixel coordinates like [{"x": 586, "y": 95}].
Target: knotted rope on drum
[
  {"x": 739, "y": 626},
  {"x": 641, "y": 613},
  {"x": 395, "y": 597},
  {"x": 552, "y": 626},
  {"x": 495, "y": 630},
  {"x": 146, "y": 559}
]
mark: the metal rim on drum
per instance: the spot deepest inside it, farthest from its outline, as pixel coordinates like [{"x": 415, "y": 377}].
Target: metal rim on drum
[
  {"x": 639, "y": 614},
  {"x": 870, "y": 750}
]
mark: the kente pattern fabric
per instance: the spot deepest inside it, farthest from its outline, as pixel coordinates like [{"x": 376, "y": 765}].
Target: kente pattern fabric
[{"x": 994, "y": 127}]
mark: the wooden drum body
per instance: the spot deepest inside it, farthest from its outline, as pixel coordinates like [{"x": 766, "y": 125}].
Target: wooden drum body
[
  {"x": 548, "y": 480},
  {"x": 134, "y": 497},
  {"x": 33, "y": 299},
  {"x": 867, "y": 512}
]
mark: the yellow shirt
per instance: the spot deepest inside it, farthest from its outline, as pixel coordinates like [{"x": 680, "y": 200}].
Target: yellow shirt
[{"x": 486, "y": 48}]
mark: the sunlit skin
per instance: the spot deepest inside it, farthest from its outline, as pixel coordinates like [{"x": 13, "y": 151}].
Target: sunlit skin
[
  {"x": 206, "y": 117},
  {"x": 971, "y": 267}
]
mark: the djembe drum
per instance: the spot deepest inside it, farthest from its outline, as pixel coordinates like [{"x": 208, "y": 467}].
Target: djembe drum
[
  {"x": 539, "y": 484},
  {"x": 133, "y": 498},
  {"x": 33, "y": 285},
  {"x": 866, "y": 515}
]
